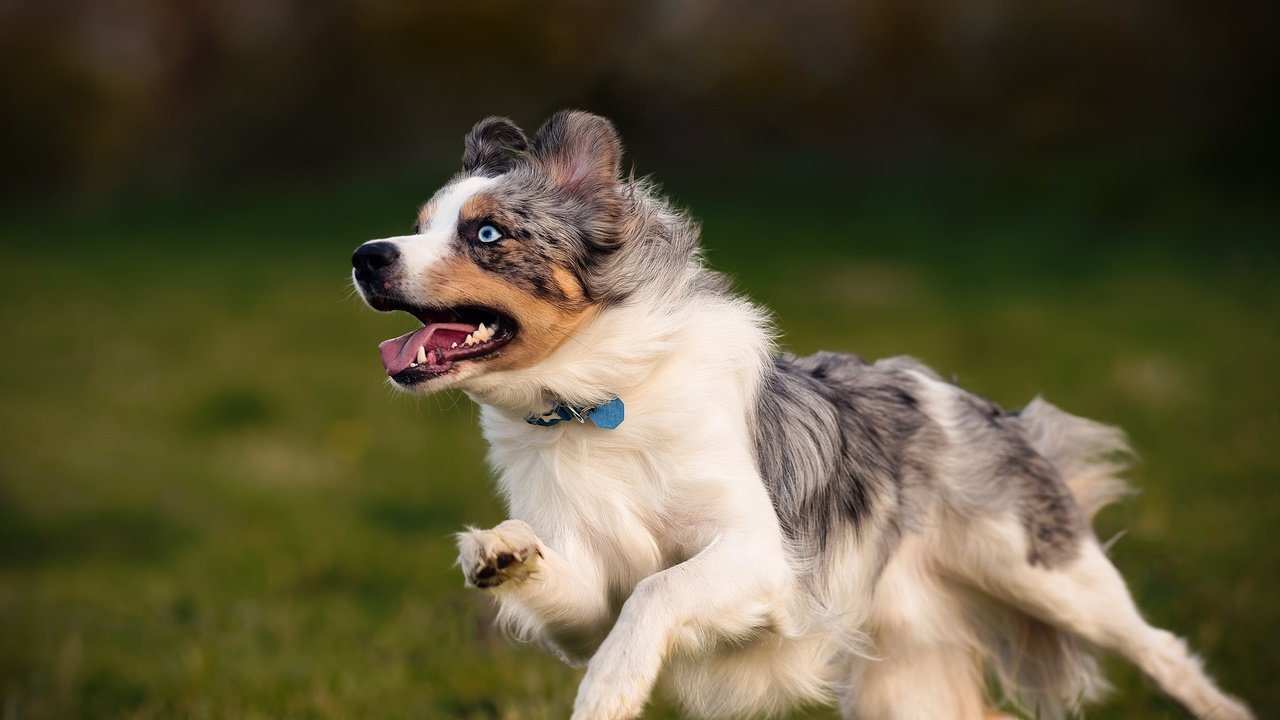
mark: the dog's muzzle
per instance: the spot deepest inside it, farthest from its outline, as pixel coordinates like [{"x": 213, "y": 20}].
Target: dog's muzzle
[{"x": 373, "y": 263}]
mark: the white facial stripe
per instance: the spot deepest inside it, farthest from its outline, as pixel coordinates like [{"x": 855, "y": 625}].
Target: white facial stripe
[
  {"x": 420, "y": 251},
  {"x": 445, "y": 219}
]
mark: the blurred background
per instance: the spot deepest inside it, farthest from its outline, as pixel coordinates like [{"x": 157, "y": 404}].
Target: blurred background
[{"x": 210, "y": 504}]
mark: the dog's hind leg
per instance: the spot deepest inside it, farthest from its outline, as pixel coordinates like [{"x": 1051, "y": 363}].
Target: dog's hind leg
[
  {"x": 925, "y": 663},
  {"x": 1087, "y": 596},
  {"x": 910, "y": 682}
]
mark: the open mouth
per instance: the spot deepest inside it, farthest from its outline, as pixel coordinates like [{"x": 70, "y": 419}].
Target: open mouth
[{"x": 447, "y": 336}]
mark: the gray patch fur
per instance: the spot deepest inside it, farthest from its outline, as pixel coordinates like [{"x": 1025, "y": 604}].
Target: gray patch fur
[{"x": 840, "y": 442}]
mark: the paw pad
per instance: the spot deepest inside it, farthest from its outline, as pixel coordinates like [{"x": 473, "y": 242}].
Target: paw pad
[{"x": 490, "y": 558}]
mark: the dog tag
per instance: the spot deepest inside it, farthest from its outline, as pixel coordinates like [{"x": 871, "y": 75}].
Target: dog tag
[{"x": 609, "y": 415}]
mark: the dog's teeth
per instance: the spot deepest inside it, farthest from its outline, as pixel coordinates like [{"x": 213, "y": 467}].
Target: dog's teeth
[
  {"x": 469, "y": 341},
  {"x": 413, "y": 364},
  {"x": 481, "y": 330},
  {"x": 422, "y": 355},
  {"x": 453, "y": 346}
]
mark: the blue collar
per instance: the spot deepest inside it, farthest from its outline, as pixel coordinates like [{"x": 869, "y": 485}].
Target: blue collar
[{"x": 606, "y": 417}]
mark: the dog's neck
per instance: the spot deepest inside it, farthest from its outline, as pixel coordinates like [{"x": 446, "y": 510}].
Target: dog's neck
[
  {"x": 611, "y": 354},
  {"x": 617, "y": 353}
]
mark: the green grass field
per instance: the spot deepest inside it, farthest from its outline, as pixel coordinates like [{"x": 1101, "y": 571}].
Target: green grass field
[{"x": 212, "y": 507}]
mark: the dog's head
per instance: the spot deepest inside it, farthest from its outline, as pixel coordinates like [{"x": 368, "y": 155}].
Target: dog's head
[{"x": 502, "y": 265}]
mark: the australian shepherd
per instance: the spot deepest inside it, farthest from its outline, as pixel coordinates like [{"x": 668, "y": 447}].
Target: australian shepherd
[{"x": 761, "y": 530}]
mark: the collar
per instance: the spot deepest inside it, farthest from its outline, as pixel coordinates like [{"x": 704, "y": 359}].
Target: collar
[{"x": 606, "y": 417}]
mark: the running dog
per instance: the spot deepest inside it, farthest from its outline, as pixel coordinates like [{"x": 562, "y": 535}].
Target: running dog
[{"x": 763, "y": 530}]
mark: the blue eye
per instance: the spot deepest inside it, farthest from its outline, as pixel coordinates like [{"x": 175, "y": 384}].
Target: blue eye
[{"x": 488, "y": 234}]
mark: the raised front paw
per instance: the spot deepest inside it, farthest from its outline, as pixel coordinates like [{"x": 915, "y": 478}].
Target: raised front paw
[{"x": 507, "y": 553}]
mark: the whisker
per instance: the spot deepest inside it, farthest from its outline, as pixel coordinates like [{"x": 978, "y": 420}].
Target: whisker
[
  {"x": 564, "y": 334},
  {"x": 457, "y": 398}
]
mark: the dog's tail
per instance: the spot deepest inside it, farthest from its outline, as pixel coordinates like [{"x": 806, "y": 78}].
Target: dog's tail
[
  {"x": 1089, "y": 455},
  {"x": 1049, "y": 673}
]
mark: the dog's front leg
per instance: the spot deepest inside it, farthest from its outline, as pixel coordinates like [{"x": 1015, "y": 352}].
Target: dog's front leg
[
  {"x": 732, "y": 588},
  {"x": 557, "y": 597}
]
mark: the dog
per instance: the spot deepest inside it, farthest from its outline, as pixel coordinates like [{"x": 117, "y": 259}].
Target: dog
[{"x": 763, "y": 530}]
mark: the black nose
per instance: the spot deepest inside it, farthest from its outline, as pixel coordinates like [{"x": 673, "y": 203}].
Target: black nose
[{"x": 372, "y": 257}]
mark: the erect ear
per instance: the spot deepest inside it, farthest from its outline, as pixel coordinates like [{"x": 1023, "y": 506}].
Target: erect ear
[
  {"x": 492, "y": 146},
  {"x": 580, "y": 151}
]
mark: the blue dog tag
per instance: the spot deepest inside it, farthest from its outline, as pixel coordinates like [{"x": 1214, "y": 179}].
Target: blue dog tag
[{"x": 609, "y": 415}]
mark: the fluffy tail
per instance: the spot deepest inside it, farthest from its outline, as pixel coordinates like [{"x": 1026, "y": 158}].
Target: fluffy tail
[
  {"x": 1048, "y": 673},
  {"x": 1089, "y": 455}
]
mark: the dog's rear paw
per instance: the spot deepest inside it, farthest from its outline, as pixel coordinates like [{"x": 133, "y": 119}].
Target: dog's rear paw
[{"x": 507, "y": 553}]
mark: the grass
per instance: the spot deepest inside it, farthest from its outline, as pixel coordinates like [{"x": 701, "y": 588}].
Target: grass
[{"x": 210, "y": 506}]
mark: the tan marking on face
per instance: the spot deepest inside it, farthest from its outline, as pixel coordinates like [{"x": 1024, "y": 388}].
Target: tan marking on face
[
  {"x": 543, "y": 325},
  {"x": 478, "y": 206},
  {"x": 567, "y": 283}
]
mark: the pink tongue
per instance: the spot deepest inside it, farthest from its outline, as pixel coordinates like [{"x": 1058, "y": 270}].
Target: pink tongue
[{"x": 397, "y": 353}]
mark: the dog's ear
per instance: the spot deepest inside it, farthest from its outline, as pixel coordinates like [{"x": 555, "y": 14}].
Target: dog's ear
[
  {"x": 492, "y": 146},
  {"x": 580, "y": 151}
]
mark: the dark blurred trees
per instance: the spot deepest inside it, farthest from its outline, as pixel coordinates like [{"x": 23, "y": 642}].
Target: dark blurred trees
[{"x": 100, "y": 93}]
